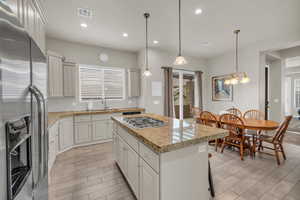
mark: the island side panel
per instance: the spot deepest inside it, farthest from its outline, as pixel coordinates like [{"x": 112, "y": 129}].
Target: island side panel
[{"x": 184, "y": 173}]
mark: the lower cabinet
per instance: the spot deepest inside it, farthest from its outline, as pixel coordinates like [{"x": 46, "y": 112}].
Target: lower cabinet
[
  {"x": 132, "y": 165},
  {"x": 143, "y": 180},
  {"x": 66, "y": 133},
  {"x": 149, "y": 182},
  {"x": 83, "y": 132},
  {"x": 53, "y": 144},
  {"x": 99, "y": 130}
]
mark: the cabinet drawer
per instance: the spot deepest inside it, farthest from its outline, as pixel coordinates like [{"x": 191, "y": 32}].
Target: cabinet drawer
[
  {"x": 150, "y": 157},
  {"x": 100, "y": 117},
  {"x": 82, "y": 118},
  {"x": 131, "y": 140}
]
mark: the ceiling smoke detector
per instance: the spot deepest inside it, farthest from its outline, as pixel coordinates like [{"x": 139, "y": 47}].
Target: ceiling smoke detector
[{"x": 84, "y": 12}]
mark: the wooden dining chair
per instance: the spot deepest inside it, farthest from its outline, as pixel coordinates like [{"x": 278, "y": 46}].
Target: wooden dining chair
[
  {"x": 257, "y": 115},
  {"x": 254, "y": 114},
  {"x": 209, "y": 119},
  {"x": 235, "y": 111},
  {"x": 236, "y": 137},
  {"x": 276, "y": 140}
]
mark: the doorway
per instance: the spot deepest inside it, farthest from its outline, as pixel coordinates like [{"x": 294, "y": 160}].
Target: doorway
[{"x": 183, "y": 93}]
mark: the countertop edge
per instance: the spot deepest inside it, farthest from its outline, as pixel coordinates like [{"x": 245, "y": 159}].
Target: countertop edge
[{"x": 64, "y": 114}]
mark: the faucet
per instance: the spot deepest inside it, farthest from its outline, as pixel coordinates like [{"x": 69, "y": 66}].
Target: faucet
[{"x": 104, "y": 103}]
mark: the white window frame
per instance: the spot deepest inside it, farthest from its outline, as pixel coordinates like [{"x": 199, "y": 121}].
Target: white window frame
[
  {"x": 296, "y": 81},
  {"x": 103, "y": 87}
]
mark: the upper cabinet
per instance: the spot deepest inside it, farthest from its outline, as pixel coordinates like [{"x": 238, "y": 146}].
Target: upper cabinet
[
  {"x": 134, "y": 82},
  {"x": 31, "y": 15},
  {"x": 69, "y": 71},
  {"x": 55, "y": 75},
  {"x": 61, "y": 76}
]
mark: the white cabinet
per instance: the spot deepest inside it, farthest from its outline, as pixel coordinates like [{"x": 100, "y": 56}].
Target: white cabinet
[
  {"x": 132, "y": 169},
  {"x": 99, "y": 130},
  {"x": 83, "y": 132},
  {"x": 55, "y": 75},
  {"x": 66, "y": 133},
  {"x": 122, "y": 155},
  {"x": 53, "y": 132},
  {"x": 69, "y": 79},
  {"x": 149, "y": 182},
  {"x": 30, "y": 16},
  {"x": 109, "y": 129},
  {"x": 134, "y": 82},
  {"x": 17, "y": 7},
  {"x": 144, "y": 181}
]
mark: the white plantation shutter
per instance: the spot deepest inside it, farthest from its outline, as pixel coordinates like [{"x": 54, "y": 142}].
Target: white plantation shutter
[
  {"x": 98, "y": 82},
  {"x": 113, "y": 83},
  {"x": 91, "y": 83}
]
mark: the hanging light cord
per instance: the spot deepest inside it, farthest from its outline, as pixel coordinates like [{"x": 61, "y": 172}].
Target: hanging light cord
[
  {"x": 236, "y": 50},
  {"x": 147, "y": 15},
  {"x": 179, "y": 16}
]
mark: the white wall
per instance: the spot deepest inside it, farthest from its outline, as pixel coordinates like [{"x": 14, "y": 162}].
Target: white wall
[
  {"x": 252, "y": 61},
  {"x": 87, "y": 54},
  {"x": 158, "y": 59}
]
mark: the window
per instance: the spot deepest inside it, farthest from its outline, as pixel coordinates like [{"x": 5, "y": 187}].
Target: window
[
  {"x": 101, "y": 82},
  {"x": 297, "y": 92}
]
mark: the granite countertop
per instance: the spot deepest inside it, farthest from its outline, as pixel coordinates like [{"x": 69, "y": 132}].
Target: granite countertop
[
  {"x": 54, "y": 116},
  {"x": 174, "y": 135}
]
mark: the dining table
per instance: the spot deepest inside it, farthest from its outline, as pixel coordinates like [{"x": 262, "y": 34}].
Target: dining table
[
  {"x": 257, "y": 125},
  {"x": 254, "y": 124}
]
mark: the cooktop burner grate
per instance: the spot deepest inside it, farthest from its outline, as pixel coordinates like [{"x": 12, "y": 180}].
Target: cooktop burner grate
[{"x": 144, "y": 122}]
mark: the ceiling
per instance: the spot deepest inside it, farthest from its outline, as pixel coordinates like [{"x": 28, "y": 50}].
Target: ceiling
[{"x": 258, "y": 20}]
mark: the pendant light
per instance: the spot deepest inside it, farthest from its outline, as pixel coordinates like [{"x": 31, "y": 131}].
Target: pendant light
[
  {"x": 180, "y": 60},
  {"x": 237, "y": 77},
  {"x": 147, "y": 71}
]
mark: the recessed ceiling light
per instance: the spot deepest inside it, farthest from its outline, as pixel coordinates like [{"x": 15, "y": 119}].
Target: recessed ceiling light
[
  {"x": 83, "y": 25},
  {"x": 125, "y": 34},
  {"x": 198, "y": 11},
  {"x": 155, "y": 42}
]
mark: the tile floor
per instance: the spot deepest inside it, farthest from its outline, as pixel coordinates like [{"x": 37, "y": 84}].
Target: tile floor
[{"x": 89, "y": 173}]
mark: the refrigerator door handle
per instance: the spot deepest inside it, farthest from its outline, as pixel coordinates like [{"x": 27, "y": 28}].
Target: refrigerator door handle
[
  {"x": 45, "y": 131},
  {"x": 39, "y": 107}
]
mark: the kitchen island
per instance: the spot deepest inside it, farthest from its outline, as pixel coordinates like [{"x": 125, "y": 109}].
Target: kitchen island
[{"x": 163, "y": 158}]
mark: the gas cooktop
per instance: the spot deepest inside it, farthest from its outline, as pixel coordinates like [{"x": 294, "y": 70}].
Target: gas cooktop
[{"x": 144, "y": 122}]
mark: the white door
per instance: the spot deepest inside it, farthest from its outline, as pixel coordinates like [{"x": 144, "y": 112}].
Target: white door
[
  {"x": 133, "y": 170},
  {"x": 83, "y": 132},
  {"x": 149, "y": 182},
  {"x": 66, "y": 135},
  {"x": 99, "y": 130}
]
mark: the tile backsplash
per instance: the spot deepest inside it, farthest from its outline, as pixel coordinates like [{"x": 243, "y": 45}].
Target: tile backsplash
[{"x": 71, "y": 104}]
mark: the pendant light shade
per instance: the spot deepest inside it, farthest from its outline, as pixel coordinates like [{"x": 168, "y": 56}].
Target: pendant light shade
[
  {"x": 147, "y": 72},
  {"x": 237, "y": 77},
  {"x": 180, "y": 60}
]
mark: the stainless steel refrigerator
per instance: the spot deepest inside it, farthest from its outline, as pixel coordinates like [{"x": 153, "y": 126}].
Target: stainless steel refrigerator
[{"x": 23, "y": 113}]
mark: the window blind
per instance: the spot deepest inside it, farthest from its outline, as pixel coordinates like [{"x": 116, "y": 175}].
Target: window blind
[{"x": 98, "y": 82}]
